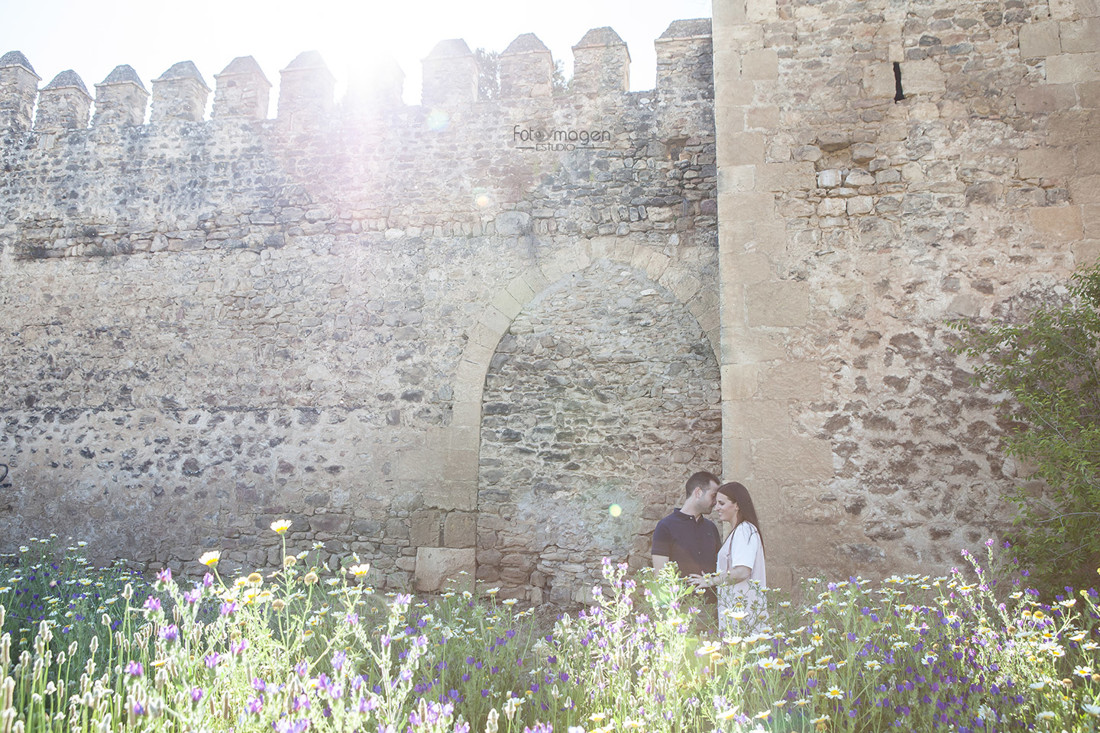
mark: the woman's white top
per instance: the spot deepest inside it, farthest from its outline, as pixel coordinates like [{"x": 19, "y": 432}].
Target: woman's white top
[{"x": 743, "y": 547}]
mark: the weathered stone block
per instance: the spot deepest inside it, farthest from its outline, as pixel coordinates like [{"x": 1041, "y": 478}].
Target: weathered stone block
[
  {"x": 424, "y": 528},
  {"x": 1085, "y": 189},
  {"x": 878, "y": 81},
  {"x": 438, "y": 568},
  {"x": 745, "y": 148},
  {"x": 1071, "y": 68},
  {"x": 777, "y": 304},
  {"x": 1086, "y": 252},
  {"x": 1046, "y": 163},
  {"x": 758, "y": 419},
  {"x": 1082, "y": 36},
  {"x": 740, "y": 381},
  {"x": 791, "y": 380},
  {"x": 923, "y": 77},
  {"x": 460, "y": 529},
  {"x": 1062, "y": 223},
  {"x": 760, "y": 64},
  {"x": 1038, "y": 39},
  {"x": 795, "y": 459},
  {"x": 1045, "y": 98},
  {"x": 785, "y": 176},
  {"x": 736, "y": 178},
  {"x": 1088, "y": 94}
]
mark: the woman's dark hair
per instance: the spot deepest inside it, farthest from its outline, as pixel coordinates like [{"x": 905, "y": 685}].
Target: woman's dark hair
[{"x": 746, "y": 512}]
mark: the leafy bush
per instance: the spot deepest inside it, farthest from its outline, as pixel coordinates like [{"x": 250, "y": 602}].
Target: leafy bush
[{"x": 1049, "y": 363}]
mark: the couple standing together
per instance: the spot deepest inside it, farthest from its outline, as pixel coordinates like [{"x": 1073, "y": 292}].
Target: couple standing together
[{"x": 734, "y": 567}]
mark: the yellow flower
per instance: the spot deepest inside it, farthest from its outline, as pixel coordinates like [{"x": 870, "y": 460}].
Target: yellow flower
[
  {"x": 311, "y": 578},
  {"x": 255, "y": 579},
  {"x": 278, "y": 604},
  {"x": 210, "y": 559},
  {"x": 359, "y": 570},
  {"x": 729, "y": 714},
  {"x": 280, "y": 526},
  {"x": 834, "y": 693},
  {"x": 763, "y": 715}
]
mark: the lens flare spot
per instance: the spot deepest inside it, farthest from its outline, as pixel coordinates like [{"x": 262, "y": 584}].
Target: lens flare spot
[
  {"x": 615, "y": 510},
  {"x": 482, "y": 200},
  {"x": 438, "y": 120}
]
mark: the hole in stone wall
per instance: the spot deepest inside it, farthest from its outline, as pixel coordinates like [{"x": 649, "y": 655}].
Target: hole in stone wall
[
  {"x": 675, "y": 146},
  {"x": 898, "y": 93}
]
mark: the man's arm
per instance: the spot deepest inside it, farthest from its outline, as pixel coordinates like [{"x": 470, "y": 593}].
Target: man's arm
[{"x": 659, "y": 562}]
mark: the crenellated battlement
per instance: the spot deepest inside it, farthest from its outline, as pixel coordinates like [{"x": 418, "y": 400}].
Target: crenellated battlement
[{"x": 306, "y": 92}]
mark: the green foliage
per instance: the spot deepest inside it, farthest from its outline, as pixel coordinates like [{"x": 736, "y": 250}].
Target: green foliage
[
  {"x": 306, "y": 648},
  {"x": 1050, "y": 365}
]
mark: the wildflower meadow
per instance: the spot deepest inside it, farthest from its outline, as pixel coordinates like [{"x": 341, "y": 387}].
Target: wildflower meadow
[{"x": 305, "y": 647}]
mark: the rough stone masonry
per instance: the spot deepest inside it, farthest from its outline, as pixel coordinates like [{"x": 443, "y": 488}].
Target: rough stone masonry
[
  {"x": 445, "y": 337},
  {"x": 451, "y": 336}
]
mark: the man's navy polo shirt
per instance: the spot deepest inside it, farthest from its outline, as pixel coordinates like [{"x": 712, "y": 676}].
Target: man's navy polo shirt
[{"x": 689, "y": 542}]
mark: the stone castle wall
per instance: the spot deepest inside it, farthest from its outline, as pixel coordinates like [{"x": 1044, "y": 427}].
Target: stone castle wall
[
  {"x": 399, "y": 327},
  {"x": 854, "y": 226},
  {"x": 442, "y": 338}
]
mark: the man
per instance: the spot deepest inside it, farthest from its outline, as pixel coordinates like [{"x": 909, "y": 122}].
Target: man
[{"x": 686, "y": 537}]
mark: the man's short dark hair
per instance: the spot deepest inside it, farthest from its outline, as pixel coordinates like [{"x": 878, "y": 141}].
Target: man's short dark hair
[{"x": 700, "y": 480}]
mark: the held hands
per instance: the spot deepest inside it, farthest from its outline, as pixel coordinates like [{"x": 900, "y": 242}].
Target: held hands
[{"x": 704, "y": 581}]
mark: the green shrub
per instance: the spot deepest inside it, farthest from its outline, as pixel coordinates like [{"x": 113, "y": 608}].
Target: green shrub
[{"x": 1049, "y": 363}]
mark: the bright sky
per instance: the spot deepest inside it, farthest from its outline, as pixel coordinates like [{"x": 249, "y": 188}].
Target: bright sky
[{"x": 150, "y": 35}]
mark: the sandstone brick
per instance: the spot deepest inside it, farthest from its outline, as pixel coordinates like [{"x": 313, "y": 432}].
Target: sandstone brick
[
  {"x": 777, "y": 304},
  {"x": 760, "y": 10},
  {"x": 1081, "y": 36},
  {"x": 740, "y": 381},
  {"x": 791, "y": 380},
  {"x": 1046, "y": 163},
  {"x": 736, "y": 178},
  {"x": 764, "y": 117},
  {"x": 424, "y": 528},
  {"x": 460, "y": 529},
  {"x": 750, "y": 267},
  {"x": 1086, "y": 252},
  {"x": 438, "y": 568},
  {"x": 785, "y": 176},
  {"x": 746, "y": 148},
  {"x": 795, "y": 459},
  {"x": 1044, "y": 98},
  {"x": 878, "y": 81},
  {"x": 1083, "y": 189},
  {"x": 923, "y": 77},
  {"x": 1038, "y": 39},
  {"x": 757, "y": 419},
  {"x": 1090, "y": 220},
  {"x": 1062, "y": 223},
  {"x": 1088, "y": 94},
  {"x": 760, "y": 64},
  {"x": 1070, "y": 68},
  {"x": 1088, "y": 158}
]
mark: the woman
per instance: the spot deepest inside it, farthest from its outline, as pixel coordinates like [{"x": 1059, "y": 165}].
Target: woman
[{"x": 741, "y": 577}]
